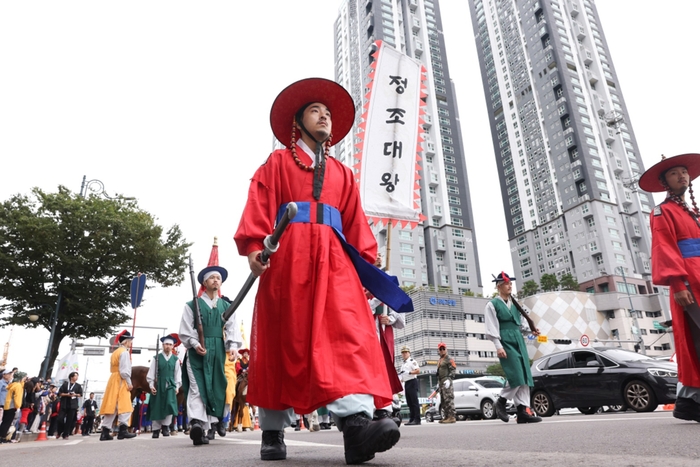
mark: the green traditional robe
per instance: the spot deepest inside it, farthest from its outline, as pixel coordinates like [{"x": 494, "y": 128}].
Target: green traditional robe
[
  {"x": 164, "y": 402},
  {"x": 517, "y": 365},
  {"x": 208, "y": 370}
]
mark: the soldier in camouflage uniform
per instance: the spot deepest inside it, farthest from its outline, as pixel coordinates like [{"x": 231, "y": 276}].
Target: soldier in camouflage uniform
[{"x": 446, "y": 369}]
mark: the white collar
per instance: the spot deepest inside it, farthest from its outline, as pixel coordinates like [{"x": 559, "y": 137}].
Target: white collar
[{"x": 305, "y": 147}]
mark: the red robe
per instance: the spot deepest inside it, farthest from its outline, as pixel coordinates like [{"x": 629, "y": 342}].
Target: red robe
[
  {"x": 669, "y": 224},
  {"x": 313, "y": 338}
]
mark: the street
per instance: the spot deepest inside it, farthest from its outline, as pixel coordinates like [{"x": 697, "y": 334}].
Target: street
[{"x": 625, "y": 439}]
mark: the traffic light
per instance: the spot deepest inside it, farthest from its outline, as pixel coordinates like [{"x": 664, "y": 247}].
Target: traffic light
[{"x": 561, "y": 341}]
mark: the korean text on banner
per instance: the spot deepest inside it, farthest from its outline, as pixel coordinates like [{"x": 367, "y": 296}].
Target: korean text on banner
[{"x": 392, "y": 132}]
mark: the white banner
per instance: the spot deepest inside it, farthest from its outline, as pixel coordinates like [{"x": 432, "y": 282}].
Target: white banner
[
  {"x": 390, "y": 142},
  {"x": 66, "y": 365}
]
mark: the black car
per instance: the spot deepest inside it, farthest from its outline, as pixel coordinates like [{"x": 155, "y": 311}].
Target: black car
[{"x": 591, "y": 378}]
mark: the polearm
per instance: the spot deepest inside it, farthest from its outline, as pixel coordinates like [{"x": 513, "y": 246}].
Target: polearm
[
  {"x": 155, "y": 380},
  {"x": 271, "y": 243},
  {"x": 197, "y": 314},
  {"x": 530, "y": 323}
]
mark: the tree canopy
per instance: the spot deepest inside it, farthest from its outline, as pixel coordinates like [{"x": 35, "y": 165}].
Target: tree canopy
[
  {"x": 549, "y": 282},
  {"x": 529, "y": 288},
  {"x": 86, "y": 249},
  {"x": 568, "y": 282},
  {"x": 495, "y": 370}
]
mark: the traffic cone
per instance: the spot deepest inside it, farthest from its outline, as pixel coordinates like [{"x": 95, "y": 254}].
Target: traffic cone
[
  {"x": 669, "y": 406},
  {"x": 42, "y": 433},
  {"x": 301, "y": 422},
  {"x": 256, "y": 426}
]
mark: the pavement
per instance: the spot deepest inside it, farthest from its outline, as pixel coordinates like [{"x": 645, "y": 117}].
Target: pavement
[{"x": 609, "y": 439}]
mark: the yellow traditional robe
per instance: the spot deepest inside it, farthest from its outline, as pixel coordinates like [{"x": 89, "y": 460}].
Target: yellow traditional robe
[
  {"x": 117, "y": 395},
  {"x": 230, "y": 372}
]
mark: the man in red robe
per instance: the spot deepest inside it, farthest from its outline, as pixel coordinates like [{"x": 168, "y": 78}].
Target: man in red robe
[
  {"x": 313, "y": 340},
  {"x": 675, "y": 262}
]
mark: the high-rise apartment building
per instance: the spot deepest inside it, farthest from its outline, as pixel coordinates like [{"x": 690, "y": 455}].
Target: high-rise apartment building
[
  {"x": 442, "y": 252},
  {"x": 564, "y": 144}
]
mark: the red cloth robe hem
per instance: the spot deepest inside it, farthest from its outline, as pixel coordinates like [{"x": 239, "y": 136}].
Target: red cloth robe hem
[
  {"x": 670, "y": 224},
  {"x": 313, "y": 338}
]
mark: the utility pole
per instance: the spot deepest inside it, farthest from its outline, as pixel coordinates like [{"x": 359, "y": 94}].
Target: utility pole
[{"x": 633, "y": 313}]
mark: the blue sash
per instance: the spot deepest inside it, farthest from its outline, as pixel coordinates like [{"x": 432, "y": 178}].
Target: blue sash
[
  {"x": 690, "y": 247},
  {"x": 382, "y": 285}
]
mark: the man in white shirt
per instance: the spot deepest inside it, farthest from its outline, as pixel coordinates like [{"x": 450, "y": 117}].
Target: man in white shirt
[{"x": 409, "y": 375}]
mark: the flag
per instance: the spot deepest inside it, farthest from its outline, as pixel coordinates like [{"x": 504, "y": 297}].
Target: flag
[
  {"x": 391, "y": 132},
  {"x": 213, "y": 261},
  {"x": 67, "y": 365}
]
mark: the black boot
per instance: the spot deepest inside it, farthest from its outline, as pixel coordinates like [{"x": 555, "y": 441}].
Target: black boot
[
  {"x": 500, "y": 407},
  {"x": 221, "y": 429},
  {"x": 525, "y": 415},
  {"x": 106, "y": 434},
  {"x": 686, "y": 409},
  {"x": 124, "y": 433},
  {"x": 165, "y": 430},
  {"x": 211, "y": 434},
  {"x": 273, "y": 447},
  {"x": 156, "y": 434},
  {"x": 364, "y": 437},
  {"x": 384, "y": 414},
  {"x": 197, "y": 433}
]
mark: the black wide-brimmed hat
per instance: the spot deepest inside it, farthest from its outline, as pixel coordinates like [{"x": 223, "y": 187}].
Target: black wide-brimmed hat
[
  {"x": 222, "y": 272},
  {"x": 651, "y": 179},
  {"x": 307, "y": 91},
  {"x": 124, "y": 335},
  {"x": 172, "y": 337},
  {"x": 502, "y": 277}
]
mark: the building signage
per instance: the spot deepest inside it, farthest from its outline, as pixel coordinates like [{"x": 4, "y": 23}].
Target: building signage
[
  {"x": 93, "y": 351},
  {"x": 442, "y": 301}
]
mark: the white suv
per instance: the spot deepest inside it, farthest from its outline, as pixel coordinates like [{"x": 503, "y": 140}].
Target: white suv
[{"x": 474, "y": 397}]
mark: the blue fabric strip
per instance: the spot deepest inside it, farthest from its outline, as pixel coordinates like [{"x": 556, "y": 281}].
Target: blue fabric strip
[
  {"x": 379, "y": 283},
  {"x": 690, "y": 247}
]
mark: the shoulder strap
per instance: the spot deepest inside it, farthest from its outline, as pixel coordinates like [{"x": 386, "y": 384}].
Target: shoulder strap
[{"x": 525, "y": 315}]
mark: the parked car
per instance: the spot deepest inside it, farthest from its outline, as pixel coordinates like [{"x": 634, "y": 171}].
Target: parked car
[
  {"x": 601, "y": 376},
  {"x": 473, "y": 398},
  {"x": 433, "y": 414}
]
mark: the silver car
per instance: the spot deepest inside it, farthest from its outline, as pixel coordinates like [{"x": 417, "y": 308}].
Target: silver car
[{"x": 473, "y": 397}]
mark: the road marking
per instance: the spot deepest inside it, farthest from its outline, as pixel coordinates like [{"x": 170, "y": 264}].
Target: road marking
[
  {"x": 602, "y": 419},
  {"x": 288, "y": 442},
  {"x": 77, "y": 441}
]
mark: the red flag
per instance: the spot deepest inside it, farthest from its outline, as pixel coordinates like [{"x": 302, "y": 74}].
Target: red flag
[{"x": 213, "y": 261}]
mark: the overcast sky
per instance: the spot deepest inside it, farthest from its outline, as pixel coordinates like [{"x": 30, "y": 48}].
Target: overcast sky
[{"x": 169, "y": 102}]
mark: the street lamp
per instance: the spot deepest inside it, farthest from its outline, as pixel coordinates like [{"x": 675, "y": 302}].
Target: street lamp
[
  {"x": 635, "y": 323},
  {"x": 98, "y": 188}
]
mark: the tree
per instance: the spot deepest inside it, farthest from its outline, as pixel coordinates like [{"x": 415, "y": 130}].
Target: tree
[
  {"x": 529, "y": 288},
  {"x": 469, "y": 293},
  {"x": 495, "y": 370},
  {"x": 549, "y": 282},
  {"x": 85, "y": 252},
  {"x": 568, "y": 282}
]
